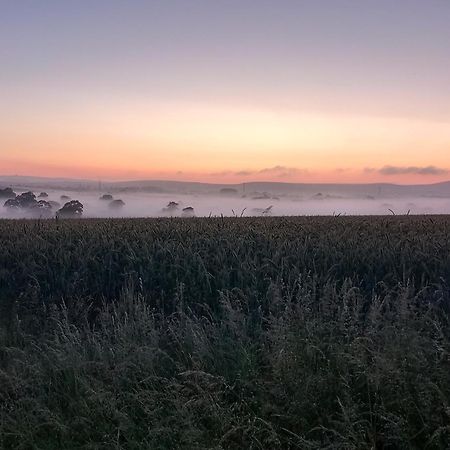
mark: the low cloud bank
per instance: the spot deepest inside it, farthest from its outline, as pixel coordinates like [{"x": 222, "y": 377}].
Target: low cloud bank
[{"x": 409, "y": 170}]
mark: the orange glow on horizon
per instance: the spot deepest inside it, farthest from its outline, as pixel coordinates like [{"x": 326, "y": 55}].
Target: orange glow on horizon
[{"x": 228, "y": 145}]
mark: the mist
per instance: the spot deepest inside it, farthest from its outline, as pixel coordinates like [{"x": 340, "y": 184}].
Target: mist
[{"x": 144, "y": 204}]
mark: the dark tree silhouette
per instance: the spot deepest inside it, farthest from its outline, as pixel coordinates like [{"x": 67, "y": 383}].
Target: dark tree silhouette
[
  {"x": 42, "y": 208},
  {"x": 188, "y": 212},
  {"x": 116, "y": 204},
  {"x": 27, "y": 202},
  {"x": 22, "y": 201},
  {"x": 42, "y": 204},
  {"x": 55, "y": 205},
  {"x": 43, "y": 195},
  {"x": 12, "y": 204},
  {"x": 72, "y": 209},
  {"x": 27, "y": 199},
  {"x": 171, "y": 207},
  {"x": 7, "y": 193},
  {"x": 106, "y": 197}
]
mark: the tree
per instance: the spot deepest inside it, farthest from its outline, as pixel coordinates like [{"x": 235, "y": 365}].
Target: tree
[
  {"x": 12, "y": 204},
  {"x": 27, "y": 202},
  {"x": 27, "y": 199},
  {"x": 188, "y": 212},
  {"x": 116, "y": 204},
  {"x": 43, "y": 195},
  {"x": 7, "y": 193},
  {"x": 54, "y": 204},
  {"x": 106, "y": 197},
  {"x": 22, "y": 201},
  {"x": 72, "y": 209},
  {"x": 42, "y": 208},
  {"x": 171, "y": 207}
]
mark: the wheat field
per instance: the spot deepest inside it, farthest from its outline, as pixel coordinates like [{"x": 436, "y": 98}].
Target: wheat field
[{"x": 225, "y": 333}]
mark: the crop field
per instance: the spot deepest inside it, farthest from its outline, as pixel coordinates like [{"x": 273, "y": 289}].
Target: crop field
[{"x": 225, "y": 333}]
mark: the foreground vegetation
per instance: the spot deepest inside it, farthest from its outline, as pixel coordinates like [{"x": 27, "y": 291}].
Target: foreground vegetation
[{"x": 225, "y": 333}]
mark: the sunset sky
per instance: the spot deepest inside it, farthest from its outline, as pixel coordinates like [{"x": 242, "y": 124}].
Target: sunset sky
[{"x": 226, "y": 90}]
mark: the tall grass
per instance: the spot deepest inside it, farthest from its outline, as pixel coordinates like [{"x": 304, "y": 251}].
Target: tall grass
[{"x": 213, "y": 334}]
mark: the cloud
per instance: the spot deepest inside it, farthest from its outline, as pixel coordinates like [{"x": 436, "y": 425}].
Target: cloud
[
  {"x": 282, "y": 171},
  {"x": 223, "y": 173},
  {"x": 275, "y": 171},
  {"x": 408, "y": 170}
]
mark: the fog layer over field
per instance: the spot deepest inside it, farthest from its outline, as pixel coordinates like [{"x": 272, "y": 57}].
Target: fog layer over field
[{"x": 141, "y": 204}]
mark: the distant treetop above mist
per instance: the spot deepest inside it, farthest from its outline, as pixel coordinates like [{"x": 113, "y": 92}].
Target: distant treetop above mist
[{"x": 7, "y": 193}]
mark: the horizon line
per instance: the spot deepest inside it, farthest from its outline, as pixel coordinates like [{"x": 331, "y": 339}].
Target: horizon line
[{"x": 142, "y": 180}]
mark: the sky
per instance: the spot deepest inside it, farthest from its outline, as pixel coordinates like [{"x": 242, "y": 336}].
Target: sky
[{"x": 226, "y": 90}]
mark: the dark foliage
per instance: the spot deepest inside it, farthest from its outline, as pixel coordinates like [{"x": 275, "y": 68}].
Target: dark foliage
[
  {"x": 172, "y": 205},
  {"x": 7, "y": 193},
  {"x": 27, "y": 202},
  {"x": 71, "y": 210},
  {"x": 26, "y": 199},
  {"x": 116, "y": 204},
  {"x": 55, "y": 205},
  {"x": 171, "y": 208},
  {"x": 188, "y": 212},
  {"x": 12, "y": 204},
  {"x": 22, "y": 201}
]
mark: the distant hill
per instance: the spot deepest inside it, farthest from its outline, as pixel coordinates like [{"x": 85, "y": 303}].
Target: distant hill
[{"x": 376, "y": 190}]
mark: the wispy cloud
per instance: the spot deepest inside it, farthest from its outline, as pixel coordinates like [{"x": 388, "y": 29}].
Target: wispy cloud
[
  {"x": 282, "y": 171},
  {"x": 223, "y": 173},
  {"x": 275, "y": 171},
  {"x": 408, "y": 170}
]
